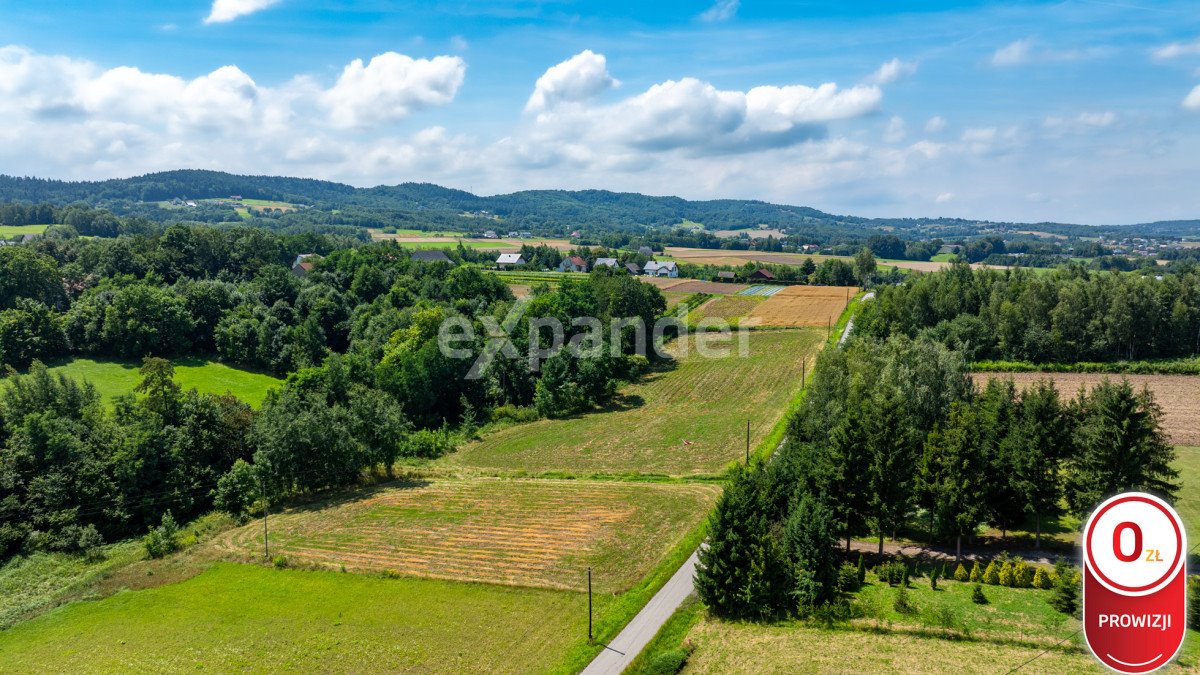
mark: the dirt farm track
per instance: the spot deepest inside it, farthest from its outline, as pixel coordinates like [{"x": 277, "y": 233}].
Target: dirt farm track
[{"x": 1177, "y": 395}]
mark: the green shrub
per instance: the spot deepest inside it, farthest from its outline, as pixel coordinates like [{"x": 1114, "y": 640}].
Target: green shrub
[
  {"x": 1065, "y": 596},
  {"x": 1042, "y": 580},
  {"x": 667, "y": 663},
  {"x": 847, "y": 581},
  {"x": 279, "y": 562},
  {"x": 991, "y": 575},
  {"x": 904, "y": 577},
  {"x": 862, "y": 570},
  {"x": 1006, "y": 576},
  {"x": 933, "y": 577},
  {"x": 1022, "y": 574},
  {"x": 977, "y": 595},
  {"x": 903, "y": 604},
  {"x": 162, "y": 540},
  {"x": 1193, "y": 602},
  {"x": 976, "y": 573},
  {"x": 237, "y": 490},
  {"x": 961, "y": 573},
  {"x": 513, "y": 414},
  {"x": 428, "y": 443}
]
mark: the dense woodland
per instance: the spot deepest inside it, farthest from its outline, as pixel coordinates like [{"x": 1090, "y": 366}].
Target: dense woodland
[
  {"x": 356, "y": 336},
  {"x": 546, "y": 212},
  {"x": 1068, "y": 315},
  {"x": 892, "y": 435}
]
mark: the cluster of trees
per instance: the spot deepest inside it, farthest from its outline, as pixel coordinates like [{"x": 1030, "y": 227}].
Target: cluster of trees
[
  {"x": 894, "y": 433},
  {"x": 75, "y": 472},
  {"x": 1068, "y": 315},
  {"x": 893, "y": 247},
  {"x": 358, "y": 336}
]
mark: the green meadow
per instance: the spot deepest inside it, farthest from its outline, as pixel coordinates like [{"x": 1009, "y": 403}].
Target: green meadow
[{"x": 113, "y": 378}]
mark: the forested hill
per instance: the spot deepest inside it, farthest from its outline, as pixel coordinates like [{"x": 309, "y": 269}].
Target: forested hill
[{"x": 600, "y": 209}]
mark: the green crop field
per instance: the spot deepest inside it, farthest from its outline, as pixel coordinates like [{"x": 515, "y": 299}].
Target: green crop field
[
  {"x": 10, "y": 231},
  {"x": 113, "y": 378},
  {"x": 685, "y": 421},
  {"x": 538, "y": 533},
  {"x": 248, "y": 618}
]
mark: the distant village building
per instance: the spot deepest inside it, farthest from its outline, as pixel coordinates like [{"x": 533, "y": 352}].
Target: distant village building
[
  {"x": 726, "y": 276},
  {"x": 490, "y": 234},
  {"x": 514, "y": 234},
  {"x": 633, "y": 268},
  {"x": 661, "y": 269},
  {"x": 605, "y": 262},
  {"x": 762, "y": 274},
  {"x": 575, "y": 234},
  {"x": 525, "y": 235},
  {"x": 573, "y": 264},
  {"x": 431, "y": 256},
  {"x": 509, "y": 260},
  {"x": 303, "y": 264}
]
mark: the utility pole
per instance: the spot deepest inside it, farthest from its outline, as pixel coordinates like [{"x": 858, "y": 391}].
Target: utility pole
[
  {"x": 266, "y": 544},
  {"x": 804, "y": 373},
  {"x": 589, "y": 604}
]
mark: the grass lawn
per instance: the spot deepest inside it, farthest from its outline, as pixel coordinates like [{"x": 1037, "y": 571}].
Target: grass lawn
[
  {"x": 706, "y": 401},
  {"x": 10, "y": 231},
  {"x": 113, "y": 378},
  {"x": 256, "y": 619},
  {"x": 542, "y": 533},
  {"x": 1188, "y": 463},
  {"x": 946, "y": 633}
]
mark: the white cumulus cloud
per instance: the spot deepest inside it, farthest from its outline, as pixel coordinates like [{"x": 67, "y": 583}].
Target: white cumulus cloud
[
  {"x": 579, "y": 78},
  {"x": 391, "y": 86},
  {"x": 935, "y": 124},
  {"x": 224, "y": 11},
  {"x": 892, "y": 71}
]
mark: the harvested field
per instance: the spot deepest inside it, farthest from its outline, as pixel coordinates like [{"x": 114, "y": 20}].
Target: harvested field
[
  {"x": 803, "y": 306},
  {"x": 1178, "y": 395},
  {"x": 728, "y": 307},
  {"x": 690, "y": 420},
  {"x": 542, "y": 533},
  {"x": 711, "y": 287},
  {"x": 663, "y": 283}
]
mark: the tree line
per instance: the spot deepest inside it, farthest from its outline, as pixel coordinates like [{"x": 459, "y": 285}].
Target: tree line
[
  {"x": 893, "y": 435},
  {"x": 1071, "y": 314}
]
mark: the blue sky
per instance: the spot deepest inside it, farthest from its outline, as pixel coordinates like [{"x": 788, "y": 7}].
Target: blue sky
[{"x": 1071, "y": 111}]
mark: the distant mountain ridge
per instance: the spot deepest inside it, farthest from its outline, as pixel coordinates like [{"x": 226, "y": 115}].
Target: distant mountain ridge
[{"x": 530, "y": 207}]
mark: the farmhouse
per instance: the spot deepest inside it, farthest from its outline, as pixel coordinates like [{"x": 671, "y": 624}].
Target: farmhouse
[
  {"x": 761, "y": 274},
  {"x": 509, "y": 260},
  {"x": 430, "y": 256},
  {"x": 303, "y": 264},
  {"x": 726, "y": 276},
  {"x": 605, "y": 262},
  {"x": 573, "y": 264},
  {"x": 514, "y": 234},
  {"x": 661, "y": 269},
  {"x": 490, "y": 234},
  {"x": 632, "y": 268}
]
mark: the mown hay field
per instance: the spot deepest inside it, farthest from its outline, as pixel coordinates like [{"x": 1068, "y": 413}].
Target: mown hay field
[
  {"x": 245, "y": 618},
  {"x": 803, "y": 306},
  {"x": 1178, "y": 395},
  {"x": 705, "y": 256},
  {"x": 541, "y": 533},
  {"x": 689, "y": 420}
]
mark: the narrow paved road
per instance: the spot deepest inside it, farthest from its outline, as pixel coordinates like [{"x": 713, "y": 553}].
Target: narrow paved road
[
  {"x": 850, "y": 323},
  {"x": 618, "y": 654}
]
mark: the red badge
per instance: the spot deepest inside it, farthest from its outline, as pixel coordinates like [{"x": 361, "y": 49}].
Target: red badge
[{"x": 1134, "y": 583}]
